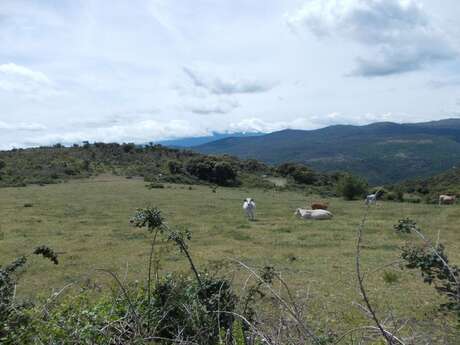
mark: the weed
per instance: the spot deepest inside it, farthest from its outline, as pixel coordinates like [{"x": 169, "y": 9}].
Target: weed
[{"x": 390, "y": 277}]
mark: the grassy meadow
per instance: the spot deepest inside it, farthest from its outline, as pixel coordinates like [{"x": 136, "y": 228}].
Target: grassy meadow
[{"x": 87, "y": 222}]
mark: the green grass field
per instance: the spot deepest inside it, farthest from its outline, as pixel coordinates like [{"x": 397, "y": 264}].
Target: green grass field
[{"x": 87, "y": 221}]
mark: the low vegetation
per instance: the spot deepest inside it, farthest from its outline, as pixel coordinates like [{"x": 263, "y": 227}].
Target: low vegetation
[
  {"x": 114, "y": 283},
  {"x": 202, "y": 308}
]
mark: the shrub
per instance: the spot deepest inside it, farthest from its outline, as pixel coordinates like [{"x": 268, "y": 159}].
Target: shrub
[
  {"x": 180, "y": 179},
  {"x": 399, "y": 193},
  {"x": 431, "y": 198},
  {"x": 405, "y": 226},
  {"x": 390, "y": 277},
  {"x": 155, "y": 185},
  {"x": 12, "y": 317},
  {"x": 395, "y": 195},
  {"x": 224, "y": 174},
  {"x": 300, "y": 173},
  {"x": 193, "y": 308},
  {"x": 174, "y": 167},
  {"x": 196, "y": 307},
  {"x": 412, "y": 199},
  {"x": 252, "y": 165},
  {"x": 127, "y": 148},
  {"x": 351, "y": 187},
  {"x": 211, "y": 170},
  {"x": 434, "y": 266}
]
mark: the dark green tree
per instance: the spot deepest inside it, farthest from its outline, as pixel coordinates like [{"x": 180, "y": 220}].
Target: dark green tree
[{"x": 351, "y": 187}]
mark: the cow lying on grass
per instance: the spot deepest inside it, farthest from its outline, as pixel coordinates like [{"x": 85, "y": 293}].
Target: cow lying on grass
[
  {"x": 319, "y": 206},
  {"x": 313, "y": 214}
]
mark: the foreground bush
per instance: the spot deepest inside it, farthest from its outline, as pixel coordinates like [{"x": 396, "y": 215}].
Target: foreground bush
[
  {"x": 179, "y": 310},
  {"x": 13, "y": 315}
]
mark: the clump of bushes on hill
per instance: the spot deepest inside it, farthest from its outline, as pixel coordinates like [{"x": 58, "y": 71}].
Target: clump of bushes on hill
[
  {"x": 155, "y": 163},
  {"x": 351, "y": 187},
  {"x": 213, "y": 170},
  {"x": 300, "y": 173},
  {"x": 45, "y": 165},
  {"x": 394, "y": 194},
  {"x": 301, "y": 176}
]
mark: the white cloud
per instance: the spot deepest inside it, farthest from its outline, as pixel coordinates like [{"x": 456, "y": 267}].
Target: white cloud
[
  {"x": 81, "y": 70},
  {"x": 399, "y": 31},
  {"x": 139, "y": 132},
  {"x": 357, "y": 119},
  {"x": 312, "y": 122},
  {"x": 263, "y": 126},
  {"x": 22, "y": 126},
  {"x": 12, "y": 69},
  {"x": 446, "y": 82},
  {"x": 208, "y": 106},
  {"x": 22, "y": 80},
  {"x": 220, "y": 86}
]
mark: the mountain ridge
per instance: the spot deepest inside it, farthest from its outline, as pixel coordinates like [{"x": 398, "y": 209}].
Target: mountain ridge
[
  {"x": 382, "y": 152},
  {"x": 185, "y": 142}
]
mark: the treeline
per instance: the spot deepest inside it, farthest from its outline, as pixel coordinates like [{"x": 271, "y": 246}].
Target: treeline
[{"x": 155, "y": 163}]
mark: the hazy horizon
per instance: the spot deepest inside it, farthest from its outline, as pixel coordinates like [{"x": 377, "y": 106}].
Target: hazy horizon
[{"x": 152, "y": 70}]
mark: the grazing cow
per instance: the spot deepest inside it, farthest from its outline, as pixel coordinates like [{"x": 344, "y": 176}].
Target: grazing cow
[
  {"x": 249, "y": 207},
  {"x": 319, "y": 206},
  {"x": 371, "y": 199},
  {"x": 313, "y": 214},
  {"x": 447, "y": 199}
]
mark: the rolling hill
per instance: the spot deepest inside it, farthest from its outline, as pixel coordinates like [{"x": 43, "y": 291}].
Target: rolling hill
[
  {"x": 383, "y": 152},
  {"x": 154, "y": 163},
  {"x": 195, "y": 141}
]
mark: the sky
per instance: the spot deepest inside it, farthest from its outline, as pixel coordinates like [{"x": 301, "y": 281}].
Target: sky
[{"x": 148, "y": 70}]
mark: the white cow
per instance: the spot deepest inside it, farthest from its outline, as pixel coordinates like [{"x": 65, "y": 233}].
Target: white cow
[
  {"x": 371, "y": 199},
  {"x": 313, "y": 214},
  {"x": 249, "y": 206},
  {"x": 447, "y": 199}
]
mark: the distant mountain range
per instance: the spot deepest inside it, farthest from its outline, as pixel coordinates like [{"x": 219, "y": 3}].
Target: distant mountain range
[
  {"x": 383, "y": 152},
  {"x": 189, "y": 142}
]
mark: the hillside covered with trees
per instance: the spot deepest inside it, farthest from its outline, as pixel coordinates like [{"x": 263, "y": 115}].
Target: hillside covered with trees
[
  {"x": 380, "y": 152},
  {"x": 154, "y": 163},
  {"x": 447, "y": 182}
]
